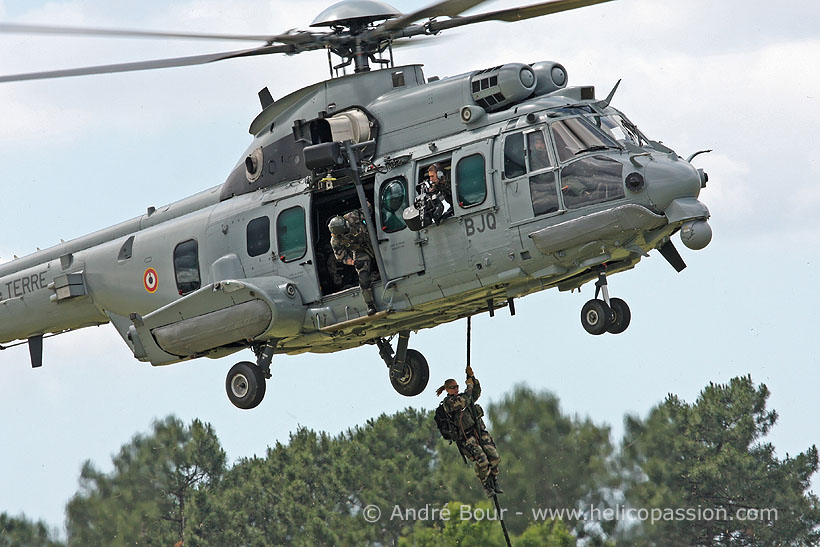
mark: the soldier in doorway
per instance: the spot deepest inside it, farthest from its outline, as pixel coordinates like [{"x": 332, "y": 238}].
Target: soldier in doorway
[
  {"x": 351, "y": 245},
  {"x": 461, "y": 420},
  {"x": 438, "y": 190}
]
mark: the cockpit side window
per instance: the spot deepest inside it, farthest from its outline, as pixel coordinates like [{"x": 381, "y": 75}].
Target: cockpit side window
[
  {"x": 514, "y": 162},
  {"x": 593, "y": 179},
  {"x": 576, "y": 135},
  {"x": 537, "y": 151}
]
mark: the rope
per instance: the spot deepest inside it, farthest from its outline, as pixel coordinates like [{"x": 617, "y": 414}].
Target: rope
[
  {"x": 469, "y": 318},
  {"x": 503, "y": 524}
]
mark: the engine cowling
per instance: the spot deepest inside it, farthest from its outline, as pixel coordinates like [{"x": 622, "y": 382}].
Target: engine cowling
[{"x": 495, "y": 88}]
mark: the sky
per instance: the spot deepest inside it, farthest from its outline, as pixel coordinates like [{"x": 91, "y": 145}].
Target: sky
[{"x": 80, "y": 154}]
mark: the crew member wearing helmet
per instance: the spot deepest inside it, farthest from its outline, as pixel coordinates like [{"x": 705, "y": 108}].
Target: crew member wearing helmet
[
  {"x": 437, "y": 188},
  {"x": 351, "y": 245},
  {"x": 467, "y": 429}
]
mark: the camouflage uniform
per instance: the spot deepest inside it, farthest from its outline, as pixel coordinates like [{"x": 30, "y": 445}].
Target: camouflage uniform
[
  {"x": 475, "y": 442},
  {"x": 355, "y": 244}
]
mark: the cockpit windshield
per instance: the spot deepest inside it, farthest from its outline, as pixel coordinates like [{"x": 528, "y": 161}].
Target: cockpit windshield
[
  {"x": 619, "y": 128},
  {"x": 574, "y": 136}
]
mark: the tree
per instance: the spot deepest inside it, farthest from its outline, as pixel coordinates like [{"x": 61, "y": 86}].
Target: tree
[
  {"x": 708, "y": 458},
  {"x": 21, "y": 532},
  {"x": 312, "y": 491},
  {"x": 145, "y": 498}
]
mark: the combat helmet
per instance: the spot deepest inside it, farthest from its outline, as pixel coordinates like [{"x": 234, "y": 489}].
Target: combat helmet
[{"x": 338, "y": 225}]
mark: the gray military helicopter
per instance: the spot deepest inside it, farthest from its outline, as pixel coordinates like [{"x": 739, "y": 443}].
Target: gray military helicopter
[{"x": 550, "y": 186}]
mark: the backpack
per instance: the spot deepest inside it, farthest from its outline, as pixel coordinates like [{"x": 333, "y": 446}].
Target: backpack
[{"x": 446, "y": 426}]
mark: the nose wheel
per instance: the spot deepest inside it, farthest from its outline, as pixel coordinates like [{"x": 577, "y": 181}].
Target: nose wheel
[{"x": 610, "y": 315}]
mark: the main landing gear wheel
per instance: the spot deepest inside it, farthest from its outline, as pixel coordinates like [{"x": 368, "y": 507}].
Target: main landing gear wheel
[
  {"x": 414, "y": 377},
  {"x": 408, "y": 368},
  {"x": 245, "y": 385},
  {"x": 596, "y": 316},
  {"x": 620, "y": 316}
]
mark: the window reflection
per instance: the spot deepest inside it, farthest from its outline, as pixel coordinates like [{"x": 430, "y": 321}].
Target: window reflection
[
  {"x": 591, "y": 180},
  {"x": 576, "y": 135},
  {"x": 543, "y": 193}
]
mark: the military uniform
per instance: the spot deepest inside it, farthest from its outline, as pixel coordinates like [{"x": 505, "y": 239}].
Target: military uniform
[
  {"x": 355, "y": 245},
  {"x": 474, "y": 441}
]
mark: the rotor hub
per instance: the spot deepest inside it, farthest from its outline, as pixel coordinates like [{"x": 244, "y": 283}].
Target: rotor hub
[{"x": 355, "y": 13}]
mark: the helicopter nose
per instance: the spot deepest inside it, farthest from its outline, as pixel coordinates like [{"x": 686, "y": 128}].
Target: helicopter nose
[{"x": 668, "y": 179}]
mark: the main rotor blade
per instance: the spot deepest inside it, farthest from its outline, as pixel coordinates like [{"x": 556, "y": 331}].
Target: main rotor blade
[
  {"x": 14, "y": 28},
  {"x": 449, "y": 8},
  {"x": 148, "y": 65},
  {"x": 515, "y": 14}
]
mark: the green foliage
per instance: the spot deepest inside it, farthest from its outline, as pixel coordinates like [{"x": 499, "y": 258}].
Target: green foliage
[
  {"x": 708, "y": 455},
  {"x": 551, "y": 533},
  {"x": 312, "y": 490},
  {"x": 144, "y": 499},
  {"x": 172, "y": 484},
  {"x": 548, "y": 459},
  {"x": 21, "y": 532},
  {"x": 483, "y": 529},
  {"x": 478, "y": 525}
]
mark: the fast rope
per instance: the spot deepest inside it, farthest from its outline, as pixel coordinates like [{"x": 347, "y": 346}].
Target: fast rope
[{"x": 499, "y": 512}]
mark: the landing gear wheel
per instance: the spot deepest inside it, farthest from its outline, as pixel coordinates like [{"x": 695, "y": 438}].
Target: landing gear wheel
[
  {"x": 413, "y": 379},
  {"x": 595, "y": 316},
  {"x": 245, "y": 385},
  {"x": 621, "y": 316}
]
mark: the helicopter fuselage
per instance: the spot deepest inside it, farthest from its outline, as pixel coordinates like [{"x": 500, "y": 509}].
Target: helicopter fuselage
[{"x": 550, "y": 188}]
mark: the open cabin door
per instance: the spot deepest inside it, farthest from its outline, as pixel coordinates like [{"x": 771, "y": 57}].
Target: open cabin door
[
  {"x": 293, "y": 245},
  {"x": 400, "y": 246}
]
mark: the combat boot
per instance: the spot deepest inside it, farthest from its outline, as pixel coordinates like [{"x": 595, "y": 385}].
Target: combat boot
[
  {"x": 496, "y": 487},
  {"x": 369, "y": 299},
  {"x": 488, "y": 488}
]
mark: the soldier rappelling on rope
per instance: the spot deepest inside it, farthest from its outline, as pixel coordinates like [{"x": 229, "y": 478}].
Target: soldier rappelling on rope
[{"x": 460, "y": 419}]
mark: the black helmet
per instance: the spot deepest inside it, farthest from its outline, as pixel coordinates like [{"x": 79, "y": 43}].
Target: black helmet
[{"x": 338, "y": 225}]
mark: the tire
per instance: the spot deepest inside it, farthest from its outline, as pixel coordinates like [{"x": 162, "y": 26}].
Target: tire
[
  {"x": 595, "y": 317},
  {"x": 620, "y": 316},
  {"x": 245, "y": 385},
  {"x": 415, "y": 377}
]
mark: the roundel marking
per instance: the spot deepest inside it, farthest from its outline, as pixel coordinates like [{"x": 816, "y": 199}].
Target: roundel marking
[{"x": 150, "y": 280}]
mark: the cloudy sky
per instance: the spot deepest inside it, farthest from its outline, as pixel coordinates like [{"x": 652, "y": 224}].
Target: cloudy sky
[{"x": 80, "y": 154}]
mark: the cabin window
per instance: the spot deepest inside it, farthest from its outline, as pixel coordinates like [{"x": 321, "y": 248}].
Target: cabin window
[
  {"x": 574, "y": 136},
  {"x": 290, "y": 234},
  {"x": 591, "y": 180},
  {"x": 186, "y": 266},
  {"x": 471, "y": 182},
  {"x": 392, "y": 203},
  {"x": 258, "y": 235},
  {"x": 514, "y": 165}
]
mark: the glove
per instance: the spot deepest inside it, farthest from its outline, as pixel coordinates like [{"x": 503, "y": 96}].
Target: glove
[
  {"x": 469, "y": 371},
  {"x": 469, "y": 382}
]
